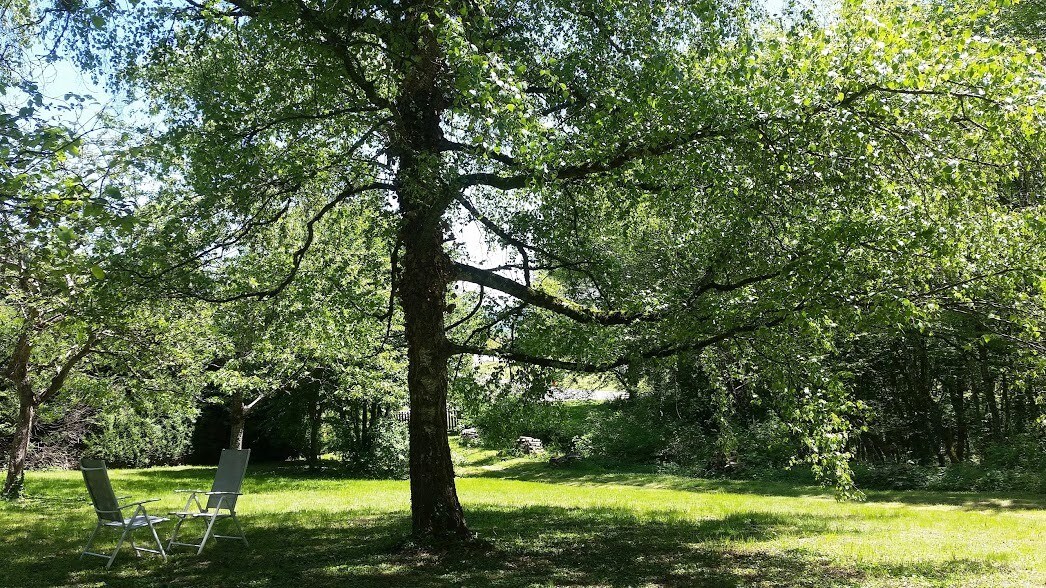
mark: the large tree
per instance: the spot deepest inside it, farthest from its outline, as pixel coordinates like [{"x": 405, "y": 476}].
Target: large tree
[{"x": 664, "y": 175}]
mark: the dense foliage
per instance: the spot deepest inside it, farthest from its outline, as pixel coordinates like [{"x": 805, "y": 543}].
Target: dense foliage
[{"x": 798, "y": 239}]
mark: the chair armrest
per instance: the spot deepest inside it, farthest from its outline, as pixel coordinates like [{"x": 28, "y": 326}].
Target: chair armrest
[
  {"x": 185, "y": 491},
  {"x": 219, "y": 493}
]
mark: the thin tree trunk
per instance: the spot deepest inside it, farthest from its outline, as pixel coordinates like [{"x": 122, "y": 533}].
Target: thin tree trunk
[
  {"x": 1007, "y": 415},
  {"x": 366, "y": 425},
  {"x": 957, "y": 396},
  {"x": 20, "y": 445},
  {"x": 988, "y": 387},
  {"x": 1019, "y": 409},
  {"x": 357, "y": 429},
  {"x": 237, "y": 420},
  {"x": 942, "y": 443},
  {"x": 315, "y": 419}
]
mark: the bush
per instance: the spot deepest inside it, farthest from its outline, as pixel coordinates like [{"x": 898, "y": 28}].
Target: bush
[
  {"x": 140, "y": 434},
  {"x": 628, "y": 432},
  {"x": 1017, "y": 452},
  {"x": 506, "y": 418},
  {"x": 385, "y": 455}
]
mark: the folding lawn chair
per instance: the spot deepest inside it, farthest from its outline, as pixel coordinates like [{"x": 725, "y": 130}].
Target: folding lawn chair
[
  {"x": 226, "y": 488},
  {"x": 111, "y": 513}
]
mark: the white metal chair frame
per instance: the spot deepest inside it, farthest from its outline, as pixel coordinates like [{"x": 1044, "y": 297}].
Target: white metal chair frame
[
  {"x": 114, "y": 519},
  {"x": 228, "y": 480},
  {"x": 207, "y": 513}
]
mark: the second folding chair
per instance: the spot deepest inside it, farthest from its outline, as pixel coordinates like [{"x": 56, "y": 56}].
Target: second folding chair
[{"x": 221, "y": 500}]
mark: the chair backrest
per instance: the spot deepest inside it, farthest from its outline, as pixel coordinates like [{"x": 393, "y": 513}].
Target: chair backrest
[
  {"x": 101, "y": 490},
  {"x": 232, "y": 467}
]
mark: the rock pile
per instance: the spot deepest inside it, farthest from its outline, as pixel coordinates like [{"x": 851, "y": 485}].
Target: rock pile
[{"x": 468, "y": 436}]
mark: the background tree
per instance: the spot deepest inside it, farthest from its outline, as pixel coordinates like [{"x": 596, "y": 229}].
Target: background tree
[{"x": 61, "y": 200}]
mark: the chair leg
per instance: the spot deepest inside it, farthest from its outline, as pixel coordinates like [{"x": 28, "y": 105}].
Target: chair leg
[
  {"x": 240, "y": 529},
  {"x": 207, "y": 534},
  {"x": 174, "y": 534},
  {"x": 119, "y": 544},
  {"x": 159, "y": 545},
  {"x": 90, "y": 540},
  {"x": 133, "y": 546}
]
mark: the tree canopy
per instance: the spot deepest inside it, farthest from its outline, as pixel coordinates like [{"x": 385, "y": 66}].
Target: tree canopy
[{"x": 665, "y": 176}]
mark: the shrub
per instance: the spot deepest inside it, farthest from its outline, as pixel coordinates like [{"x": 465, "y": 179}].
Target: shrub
[
  {"x": 140, "y": 434},
  {"x": 383, "y": 455},
  {"x": 627, "y": 431},
  {"x": 506, "y": 418},
  {"x": 959, "y": 477}
]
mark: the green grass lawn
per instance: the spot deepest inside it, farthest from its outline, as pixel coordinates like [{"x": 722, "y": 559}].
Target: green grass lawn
[{"x": 542, "y": 526}]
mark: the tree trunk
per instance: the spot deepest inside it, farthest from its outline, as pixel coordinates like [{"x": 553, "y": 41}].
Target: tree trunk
[
  {"x": 925, "y": 383},
  {"x": 20, "y": 445},
  {"x": 16, "y": 372},
  {"x": 366, "y": 425},
  {"x": 1019, "y": 409},
  {"x": 977, "y": 419},
  {"x": 357, "y": 429},
  {"x": 988, "y": 387},
  {"x": 424, "y": 193},
  {"x": 957, "y": 396},
  {"x": 426, "y": 275},
  {"x": 1007, "y": 415},
  {"x": 436, "y": 512},
  {"x": 237, "y": 420},
  {"x": 315, "y": 419}
]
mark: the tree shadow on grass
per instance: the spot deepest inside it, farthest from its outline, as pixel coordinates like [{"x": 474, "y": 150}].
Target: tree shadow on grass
[
  {"x": 971, "y": 501},
  {"x": 586, "y": 474},
  {"x": 533, "y": 546}
]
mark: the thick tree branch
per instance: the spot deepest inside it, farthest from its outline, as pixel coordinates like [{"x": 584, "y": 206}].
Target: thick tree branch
[
  {"x": 247, "y": 407},
  {"x": 542, "y": 299},
  {"x": 654, "y": 353},
  {"x": 69, "y": 362},
  {"x": 585, "y": 314},
  {"x": 617, "y": 160}
]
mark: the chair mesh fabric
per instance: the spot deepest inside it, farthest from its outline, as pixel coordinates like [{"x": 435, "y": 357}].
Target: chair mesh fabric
[
  {"x": 232, "y": 467},
  {"x": 101, "y": 490}
]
